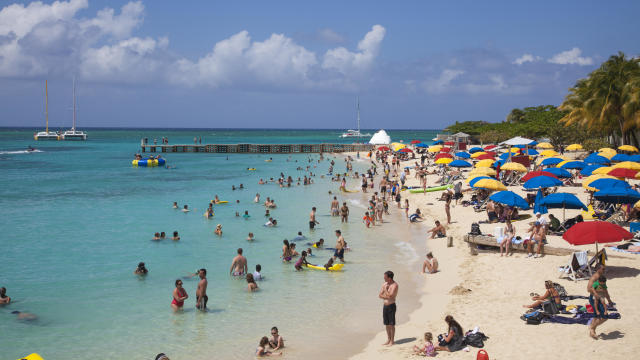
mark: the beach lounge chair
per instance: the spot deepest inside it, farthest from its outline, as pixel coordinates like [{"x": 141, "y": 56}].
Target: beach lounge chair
[
  {"x": 599, "y": 258},
  {"x": 512, "y": 179},
  {"x": 578, "y": 267},
  {"x": 590, "y": 214},
  {"x": 619, "y": 217}
]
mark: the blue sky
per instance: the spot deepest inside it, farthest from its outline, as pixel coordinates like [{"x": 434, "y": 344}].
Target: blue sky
[{"x": 282, "y": 64}]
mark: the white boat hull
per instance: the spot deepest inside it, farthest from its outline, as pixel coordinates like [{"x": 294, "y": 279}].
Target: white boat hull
[
  {"x": 73, "y": 135},
  {"x": 43, "y": 135}
]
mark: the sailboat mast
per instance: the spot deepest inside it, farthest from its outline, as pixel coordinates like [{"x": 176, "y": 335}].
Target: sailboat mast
[
  {"x": 358, "y": 106},
  {"x": 46, "y": 105},
  {"x": 74, "y": 105}
]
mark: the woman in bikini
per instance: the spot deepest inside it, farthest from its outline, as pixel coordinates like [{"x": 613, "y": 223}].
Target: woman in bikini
[
  {"x": 509, "y": 233},
  {"x": 286, "y": 251},
  {"x": 179, "y": 296},
  {"x": 551, "y": 294}
]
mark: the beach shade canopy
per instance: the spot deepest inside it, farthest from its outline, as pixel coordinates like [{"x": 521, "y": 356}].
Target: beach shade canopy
[
  {"x": 538, "y": 207},
  {"x": 563, "y": 201},
  {"x": 549, "y": 153},
  {"x": 627, "y": 165},
  {"x": 421, "y": 145},
  {"x": 587, "y": 170},
  {"x": 586, "y": 183},
  {"x": 514, "y": 166},
  {"x": 384, "y": 148},
  {"x": 485, "y": 157},
  {"x": 437, "y": 142},
  {"x": 517, "y": 141},
  {"x": 463, "y": 154},
  {"x": 597, "y": 159},
  {"x": 574, "y": 147},
  {"x": 405, "y": 150},
  {"x": 544, "y": 145},
  {"x": 484, "y": 163},
  {"x": 542, "y": 182},
  {"x": 444, "y": 160},
  {"x": 606, "y": 183},
  {"x": 629, "y": 148},
  {"x": 444, "y": 155},
  {"x": 533, "y": 174},
  {"x": 489, "y": 147},
  {"x": 623, "y": 173},
  {"x": 490, "y": 184},
  {"x": 595, "y": 232},
  {"x": 573, "y": 165},
  {"x": 551, "y": 161},
  {"x": 617, "y": 195},
  {"x": 483, "y": 171},
  {"x": 475, "y": 149},
  {"x": 416, "y": 141},
  {"x": 510, "y": 198},
  {"x": 473, "y": 180},
  {"x": 459, "y": 163},
  {"x": 559, "y": 172},
  {"x": 621, "y": 157}
]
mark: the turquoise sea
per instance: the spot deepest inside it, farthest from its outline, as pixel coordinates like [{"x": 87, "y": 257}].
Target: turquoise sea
[{"x": 77, "y": 218}]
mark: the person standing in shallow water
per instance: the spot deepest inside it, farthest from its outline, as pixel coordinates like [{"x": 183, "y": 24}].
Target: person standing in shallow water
[
  {"x": 201, "y": 292},
  {"x": 388, "y": 294}
]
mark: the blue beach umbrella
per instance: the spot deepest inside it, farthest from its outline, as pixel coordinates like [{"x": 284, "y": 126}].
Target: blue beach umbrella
[
  {"x": 606, "y": 183},
  {"x": 564, "y": 201},
  {"x": 618, "y": 157},
  {"x": 587, "y": 170},
  {"x": 617, "y": 195},
  {"x": 504, "y": 156},
  {"x": 421, "y": 145},
  {"x": 598, "y": 159},
  {"x": 559, "y": 172},
  {"x": 475, "y": 149},
  {"x": 459, "y": 163},
  {"x": 462, "y": 154},
  {"x": 574, "y": 165},
  {"x": 519, "y": 146},
  {"x": 499, "y": 162},
  {"x": 634, "y": 158},
  {"x": 552, "y": 161},
  {"x": 438, "y": 142},
  {"x": 533, "y": 143},
  {"x": 532, "y": 152},
  {"x": 510, "y": 198},
  {"x": 538, "y": 207},
  {"x": 476, "y": 179},
  {"x": 542, "y": 182}
]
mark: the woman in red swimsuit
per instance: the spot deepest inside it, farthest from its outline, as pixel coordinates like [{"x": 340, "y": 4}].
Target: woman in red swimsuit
[{"x": 179, "y": 296}]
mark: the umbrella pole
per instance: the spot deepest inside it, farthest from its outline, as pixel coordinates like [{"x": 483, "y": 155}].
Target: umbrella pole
[{"x": 563, "y": 211}]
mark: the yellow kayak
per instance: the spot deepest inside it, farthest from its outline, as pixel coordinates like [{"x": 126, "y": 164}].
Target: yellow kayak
[
  {"x": 335, "y": 267},
  {"x": 33, "y": 356},
  {"x": 220, "y": 202}
]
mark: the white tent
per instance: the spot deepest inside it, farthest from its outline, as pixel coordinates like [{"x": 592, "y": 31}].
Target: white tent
[
  {"x": 380, "y": 138},
  {"x": 517, "y": 141}
]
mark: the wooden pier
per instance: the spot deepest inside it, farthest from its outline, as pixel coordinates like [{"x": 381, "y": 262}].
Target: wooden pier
[{"x": 258, "y": 148}]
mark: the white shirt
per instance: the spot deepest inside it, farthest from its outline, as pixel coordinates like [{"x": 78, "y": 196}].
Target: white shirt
[{"x": 257, "y": 276}]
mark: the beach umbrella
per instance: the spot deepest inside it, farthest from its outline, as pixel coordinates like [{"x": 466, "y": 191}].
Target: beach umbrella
[
  {"x": 492, "y": 153},
  {"x": 405, "y": 150},
  {"x": 601, "y": 170},
  {"x": 475, "y": 149},
  {"x": 473, "y": 180},
  {"x": 514, "y": 166},
  {"x": 607, "y": 152},
  {"x": 587, "y": 181},
  {"x": 397, "y": 146},
  {"x": 422, "y": 145},
  {"x": 605, "y": 183},
  {"x": 489, "y": 147},
  {"x": 634, "y": 158},
  {"x": 510, "y": 198},
  {"x": 551, "y": 161},
  {"x": 533, "y": 174},
  {"x": 538, "y": 207},
  {"x": 559, "y": 172},
  {"x": 490, "y": 184},
  {"x": 443, "y": 160},
  {"x": 544, "y": 145},
  {"x": 483, "y": 171},
  {"x": 445, "y": 149},
  {"x": 586, "y": 171},
  {"x": 606, "y": 149},
  {"x": 597, "y": 159},
  {"x": 629, "y": 148},
  {"x": 623, "y": 173},
  {"x": 515, "y": 149},
  {"x": 549, "y": 153},
  {"x": 434, "y": 149},
  {"x": 505, "y": 156},
  {"x": 444, "y": 155},
  {"x": 484, "y": 163},
  {"x": 449, "y": 143},
  {"x": 595, "y": 232},
  {"x": 574, "y": 147},
  {"x": 416, "y": 141},
  {"x": 485, "y": 157},
  {"x": 531, "y": 152},
  {"x": 463, "y": 154},
  {"x": 498, "y": 163},
  {"x": 617, "y": 195},
  {"x": 437, "y": 142},
  {"x": 542, "y": 182},
  {"x": 572, "y": 165},
  {"x": 474, "y": 155},
  {"x": 627, "y": 165},
  {"x": 564, "y": 201},
  {"x": 518, "y": 140},
  {"x": 383, "y": 148},
  {"x": 621, "y": 157},
  {"x": 459, "y": 163}
]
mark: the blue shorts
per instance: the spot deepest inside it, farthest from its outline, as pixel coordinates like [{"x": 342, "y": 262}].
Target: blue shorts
[
  {"x": 339, "y": 254},
  {"x": 600, "y": 307}
]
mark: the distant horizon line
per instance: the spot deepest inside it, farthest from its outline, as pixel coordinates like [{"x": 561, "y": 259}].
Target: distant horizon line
[{"x": 188, "y": 128}]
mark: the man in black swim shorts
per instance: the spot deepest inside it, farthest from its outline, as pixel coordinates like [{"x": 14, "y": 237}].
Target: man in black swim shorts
[{"x": 388, "y": 295}]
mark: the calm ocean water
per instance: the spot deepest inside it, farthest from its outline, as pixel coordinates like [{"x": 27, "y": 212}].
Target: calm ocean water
[{"x": 77, "y": 218}]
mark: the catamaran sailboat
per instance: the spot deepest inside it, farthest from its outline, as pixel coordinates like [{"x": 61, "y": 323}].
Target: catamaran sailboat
[
  {"x": 355, "y": 133},
  {"x": 74, "y": 134},
  {"x": 46, "y": 134}
]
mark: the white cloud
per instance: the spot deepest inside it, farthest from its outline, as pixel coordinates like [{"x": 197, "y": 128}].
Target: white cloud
[
  {"x": 526, "y": 58},
  {"x": 347, "y": 62},
  {"x": 496, "y": 84},
  {"x": 443, "y": 82},
  {"x": 329, "y": 36},
  {"x": 571, "y": 57}
]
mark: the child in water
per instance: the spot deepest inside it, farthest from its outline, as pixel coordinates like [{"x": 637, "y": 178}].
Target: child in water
[
  {"x": 328, "y": 264},
  {"x": 262, "y": 348},
  {"x": 250, "y": 237},
  {"x": 301, "y": 261},
  {"x": 276, "y": 342},
  {"x": 252, "y": 283},
  {"x": 367, "y": 219}
]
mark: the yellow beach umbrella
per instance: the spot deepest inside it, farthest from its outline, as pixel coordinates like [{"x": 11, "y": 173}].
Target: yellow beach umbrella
[
  {"x": 637, "y": 205},
  {"x": 484, "y": 163},
  {"x": 482, "y": 171},
  {"x": 397, "y": 146},
  {"x": 574, "y": 147},
  {"x": 476, "y": 154},
  {"x": 628, "y": 148},
  {"x": 627, "y": 165},
  {"x": 434, "y": 148},
  {"x": 592, "y": 178},
  {"x": 490, "y": 184},
  {"x": 605, "y": 149},
  {"x": 601, "y": 170},
  {"x": 514, "y": 149},
  {"x": 544, "y": 145},
  {"x": 548, "y": 153},
  {"x": 607, "y": 152},
  {"x": 514, "y": 166},
  {"x": 444, "y": 160}
]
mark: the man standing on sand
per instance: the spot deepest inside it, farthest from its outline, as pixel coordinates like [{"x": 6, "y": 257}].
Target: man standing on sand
[
  {"x": 447, "y": 204},
  {"x": 238, "y": 265},
  {"x": 201, "y": 292},
  {"x": 340, "y": 245},
  {"x": 388, "y": 295},
  {"x": 312, "y": 218},
  {"x": 598, "y": 292},
  {"x": 344, "y": 212}
]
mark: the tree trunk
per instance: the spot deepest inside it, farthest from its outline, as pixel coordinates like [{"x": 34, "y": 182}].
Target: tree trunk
[{"x": 635, "y": 138}]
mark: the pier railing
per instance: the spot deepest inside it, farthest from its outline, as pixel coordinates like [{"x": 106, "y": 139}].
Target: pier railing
[{"x": 257, "y": 148}]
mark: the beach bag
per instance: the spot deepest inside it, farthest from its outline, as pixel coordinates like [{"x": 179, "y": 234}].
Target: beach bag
[
  {"x": 475, "y": 340},
  {"x": 562, "y": 292},
  {"x": 482, "y": 355},
  {"x": 533, "y": 318},
  {"x": 475, "y": 229},
  {"x": 441, "y": 341}
]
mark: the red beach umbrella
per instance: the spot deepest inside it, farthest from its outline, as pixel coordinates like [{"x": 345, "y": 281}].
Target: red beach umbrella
[
  {"x": 405, "y": 150},
  {"x": 595, "y": 232},
  {"x": 416, "y": 141},
  {"x": 622, "y": 172},
  {"x": 383, "y": 148},
  {"x": 445, "y": 149},
  {"x": 449, "y": 143},
  {"x": 492, "y": 153},
  {"x": 444, "y": 155},
  {"x": 533, "y": 174},
  {"x": 489, "y": 147},
  {"x": 484, "y": 157}
]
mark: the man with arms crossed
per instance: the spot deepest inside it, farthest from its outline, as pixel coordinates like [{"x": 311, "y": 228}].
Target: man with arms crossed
[{"x": 388, "y": 295}]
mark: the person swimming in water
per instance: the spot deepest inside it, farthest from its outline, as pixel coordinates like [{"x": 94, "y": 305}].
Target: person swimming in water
[
  {"x": 238, "y": 264},
  {"x": 4, "y": 299},
  {"x": 218, "y": 230},
  {"x": 175, "y": 237},
  {"x": 141, "y": 269},
  {"x": 250, "y": 237},
  {"x": 185, "y": 209},
  {"x": 252, "y": 286}
]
